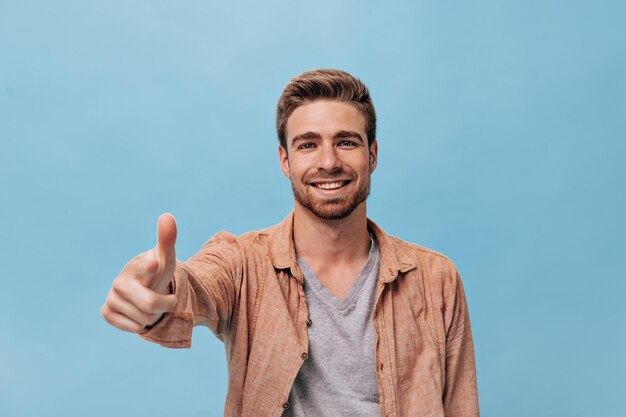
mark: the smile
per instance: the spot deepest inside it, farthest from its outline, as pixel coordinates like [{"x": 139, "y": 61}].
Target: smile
[{"x": 330, "y": 185}]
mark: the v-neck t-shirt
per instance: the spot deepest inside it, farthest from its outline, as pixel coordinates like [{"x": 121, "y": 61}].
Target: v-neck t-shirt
[{"x": 338, "y": 378}]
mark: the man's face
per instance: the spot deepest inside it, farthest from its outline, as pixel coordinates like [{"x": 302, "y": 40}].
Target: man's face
[{"x": 327, "y": 158}]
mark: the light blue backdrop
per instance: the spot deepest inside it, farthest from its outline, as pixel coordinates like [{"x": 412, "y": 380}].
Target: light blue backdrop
[{"x": 501, "y": 127}]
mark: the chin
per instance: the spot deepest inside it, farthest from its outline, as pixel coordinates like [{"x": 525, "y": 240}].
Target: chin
[
  {"x": 338, "y": 209},
  {"x": 332, "y": 214},
  {"x": 332, "y": 210}
]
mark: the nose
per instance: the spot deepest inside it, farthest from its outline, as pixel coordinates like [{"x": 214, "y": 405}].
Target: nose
[{"x": 329, "y": 159}]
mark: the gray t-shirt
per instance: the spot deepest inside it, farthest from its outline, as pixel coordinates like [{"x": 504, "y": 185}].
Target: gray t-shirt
[{"x": 339, "y": 376}]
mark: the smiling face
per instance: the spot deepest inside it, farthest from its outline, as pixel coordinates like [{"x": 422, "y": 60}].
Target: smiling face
[{"x": 327, "y": 158}]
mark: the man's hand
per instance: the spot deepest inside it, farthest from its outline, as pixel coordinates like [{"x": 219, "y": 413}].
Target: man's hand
[{"x": 141, "y": 293}]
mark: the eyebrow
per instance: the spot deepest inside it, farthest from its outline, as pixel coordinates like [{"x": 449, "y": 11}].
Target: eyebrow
[
  {"x": 338, "y": 135},
  {"x": 306, "y": 136},
  {"x": 348, "y": 134}
]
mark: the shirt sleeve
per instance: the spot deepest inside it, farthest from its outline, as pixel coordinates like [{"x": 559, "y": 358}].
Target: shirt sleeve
[
  {"x": 206, "y": 287},
  {"x": 460, "y": 397}
]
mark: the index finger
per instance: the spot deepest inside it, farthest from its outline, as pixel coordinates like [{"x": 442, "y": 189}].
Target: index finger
[{"x": 142, "y": 266}]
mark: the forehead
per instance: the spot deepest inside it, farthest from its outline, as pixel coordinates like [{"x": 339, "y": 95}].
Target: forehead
[{"x": 325, "y": 117}]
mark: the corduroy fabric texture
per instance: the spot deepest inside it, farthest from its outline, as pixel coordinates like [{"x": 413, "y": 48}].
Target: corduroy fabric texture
[{"x": 248, "y": 291}]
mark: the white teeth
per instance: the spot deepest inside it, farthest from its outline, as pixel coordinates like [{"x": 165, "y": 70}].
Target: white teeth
[{"x": 329, "y": 185}]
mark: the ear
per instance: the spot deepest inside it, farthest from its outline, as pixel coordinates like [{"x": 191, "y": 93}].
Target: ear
[
  {"x": 284, "y": 161},
  {"x": 373, "y": 155}
]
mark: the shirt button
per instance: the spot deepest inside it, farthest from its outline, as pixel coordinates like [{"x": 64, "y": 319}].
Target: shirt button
[
  {"x": 309, "y": 322},
  {"x": 286, "y": 406},
  {"x": 304, "y": 355}
]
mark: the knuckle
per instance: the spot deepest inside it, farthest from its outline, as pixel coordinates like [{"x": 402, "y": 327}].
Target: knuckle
[
  {"x": 105, "y": 313},
  {"x": 150, "y": 303},
  {"x": 112, "y": 320},
  {"x": 118, "y": 284},
  {"x": 138, "y": 260},
  {"x": 111, "y": 301}
]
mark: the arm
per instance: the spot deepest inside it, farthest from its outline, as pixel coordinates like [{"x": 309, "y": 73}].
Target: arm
[
  {"x": 460, "y": 397},
  {"x": 162, "y": 299},
  {"x": 206, "y": 288}
]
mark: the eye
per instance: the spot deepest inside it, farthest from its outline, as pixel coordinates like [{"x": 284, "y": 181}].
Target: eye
[
  {"x": 307, "y": 145},
  {"x": 347, "y": 143}
]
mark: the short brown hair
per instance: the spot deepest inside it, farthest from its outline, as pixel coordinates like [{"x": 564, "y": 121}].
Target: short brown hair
[{"x": 322, "y": 84}]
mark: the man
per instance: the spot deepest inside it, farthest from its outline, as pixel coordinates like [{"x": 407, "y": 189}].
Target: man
[{"x": 323, "y": 314}]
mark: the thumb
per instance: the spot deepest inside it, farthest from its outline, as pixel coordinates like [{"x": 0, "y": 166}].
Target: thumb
[
  {"x": 166, "y": 242},
  {"x": 166, "y": 236}
]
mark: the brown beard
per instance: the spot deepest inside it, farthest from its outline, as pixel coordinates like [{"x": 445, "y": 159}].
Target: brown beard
[{"x": 332, "y": 209}]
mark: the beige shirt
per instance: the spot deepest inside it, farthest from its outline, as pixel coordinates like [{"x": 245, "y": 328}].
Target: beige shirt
[{"x": 248, "y": 291}]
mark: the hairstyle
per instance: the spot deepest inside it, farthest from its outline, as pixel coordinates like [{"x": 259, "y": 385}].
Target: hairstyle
[{"x": 330, "y": 84}]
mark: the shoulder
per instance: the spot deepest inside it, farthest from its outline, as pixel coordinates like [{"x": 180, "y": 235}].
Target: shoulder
[
  {"x": 436, "y": 273},
  {"x": 422, "y": 256},
  {"x": 248, "y": 241},
  {"x": 417, "y": 262},
  {"x": 271, "y": 243},
  {"x": 410, "y": 255},
  {"x": 258, "y": 237}
]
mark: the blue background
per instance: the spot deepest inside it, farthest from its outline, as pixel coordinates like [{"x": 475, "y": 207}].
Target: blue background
[{"x": 501, "y": 133}]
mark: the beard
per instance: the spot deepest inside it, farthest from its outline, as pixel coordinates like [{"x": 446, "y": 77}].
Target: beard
[{"x": 335, "y": 208}]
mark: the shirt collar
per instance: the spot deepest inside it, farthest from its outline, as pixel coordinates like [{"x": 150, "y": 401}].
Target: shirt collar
[
  {"x": 394, "y": 256},
  {"x": 281, "y": 246}
]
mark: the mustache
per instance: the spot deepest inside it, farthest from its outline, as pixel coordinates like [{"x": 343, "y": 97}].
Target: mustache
[{"x": 323, "y": 175}]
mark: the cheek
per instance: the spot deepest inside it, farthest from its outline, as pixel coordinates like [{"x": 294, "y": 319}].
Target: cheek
[
  {"x": 298, "y": 168},
  {"x": 362, "y": 166}
]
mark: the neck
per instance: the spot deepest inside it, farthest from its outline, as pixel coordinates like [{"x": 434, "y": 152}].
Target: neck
[{"x": 340, "y": 241}]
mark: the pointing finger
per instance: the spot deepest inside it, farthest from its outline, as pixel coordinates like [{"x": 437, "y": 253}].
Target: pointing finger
[{"x": 143, "y": 266}]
